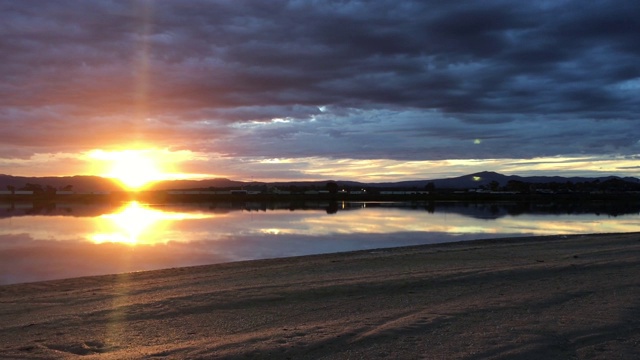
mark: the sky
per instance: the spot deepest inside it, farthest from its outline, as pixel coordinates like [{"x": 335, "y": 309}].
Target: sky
[{"x": 374, "y": 91}]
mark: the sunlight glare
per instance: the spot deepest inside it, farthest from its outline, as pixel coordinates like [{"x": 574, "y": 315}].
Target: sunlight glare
[
  {"x": 135, "y": 224},
  {"x": 133, "y": 168}
]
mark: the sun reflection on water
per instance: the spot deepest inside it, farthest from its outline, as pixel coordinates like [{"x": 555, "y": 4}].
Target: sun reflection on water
[{"x": 135, "y": 224}]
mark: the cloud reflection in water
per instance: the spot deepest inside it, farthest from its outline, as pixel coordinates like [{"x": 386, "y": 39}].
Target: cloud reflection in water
[{"x": 80, "y": 239}]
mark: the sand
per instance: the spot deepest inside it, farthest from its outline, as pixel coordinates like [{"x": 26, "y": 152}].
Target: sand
[{"x": 559, "y": 297}]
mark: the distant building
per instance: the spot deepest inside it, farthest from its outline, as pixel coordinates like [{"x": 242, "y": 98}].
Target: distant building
[
  {"x": 404, "y": 192},
  {"x": 277, "y": 191},
  {"x": 187, "y": 192}
]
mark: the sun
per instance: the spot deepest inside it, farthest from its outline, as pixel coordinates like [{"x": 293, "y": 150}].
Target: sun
[{"x": 133, "y": 168}]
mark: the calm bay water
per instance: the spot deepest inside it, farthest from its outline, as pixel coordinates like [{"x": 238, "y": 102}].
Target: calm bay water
[{"x": 62, "y": 241}]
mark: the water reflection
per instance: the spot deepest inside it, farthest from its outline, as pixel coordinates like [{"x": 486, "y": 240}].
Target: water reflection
[
  {"x": 138, "y": 224},
  {"x": 67, "y": 240}
]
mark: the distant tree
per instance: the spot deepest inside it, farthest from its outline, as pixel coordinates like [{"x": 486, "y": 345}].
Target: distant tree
[
  {"x": 570, "y": 186},
  {"x": 11, "y": 188},
  {"x": 494, "y": 185},
  {"x": 430, "y": 187},
  {"x": 517, "y": 185},
  {"x": 554, "y": 186},
  {"x": 332, "y": 187},
  {"x": 36, "y": 188},
  {"x": 67, "y": 188}
]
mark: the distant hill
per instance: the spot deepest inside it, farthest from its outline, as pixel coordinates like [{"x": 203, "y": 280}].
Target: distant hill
[
  {"x": 79, "y": 183},
  {"x": 481, "y": 179},
  {"x": 486, "y": 177},
  {"x": 96, "y": 183},
  {"x": 197, "y": 184}
]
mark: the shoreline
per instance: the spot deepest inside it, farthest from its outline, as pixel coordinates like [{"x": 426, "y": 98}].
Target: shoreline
[
  {"x": 554, "y": 297},
  {"x": 447, "y": 244}
]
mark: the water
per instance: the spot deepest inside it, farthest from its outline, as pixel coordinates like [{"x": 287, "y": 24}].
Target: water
[{"x": 62, "y": 241}]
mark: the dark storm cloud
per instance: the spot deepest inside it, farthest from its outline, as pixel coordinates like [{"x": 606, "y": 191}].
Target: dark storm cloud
[{"x": 370, "y": 79}]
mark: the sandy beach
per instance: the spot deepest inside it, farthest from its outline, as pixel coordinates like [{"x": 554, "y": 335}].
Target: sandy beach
[{"x": 558, "y": 297}]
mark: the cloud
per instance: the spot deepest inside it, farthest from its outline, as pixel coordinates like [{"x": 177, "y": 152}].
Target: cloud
[{"x": 405, "y": 81}]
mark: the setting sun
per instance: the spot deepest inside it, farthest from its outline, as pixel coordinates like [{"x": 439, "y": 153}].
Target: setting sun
[{"x": 133, "y": 168}]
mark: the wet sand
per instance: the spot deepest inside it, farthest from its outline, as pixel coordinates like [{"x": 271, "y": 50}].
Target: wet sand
[{"x": 558, "y": 297}]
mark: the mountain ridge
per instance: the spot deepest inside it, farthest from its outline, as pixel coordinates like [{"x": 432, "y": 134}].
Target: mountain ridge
[{"x": 87, "y": 183}]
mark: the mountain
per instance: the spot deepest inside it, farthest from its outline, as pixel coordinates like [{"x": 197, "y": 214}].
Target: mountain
[
  {"x": 197, "y": 184},
  {"x": 96, "y": 183},
  {"x": 487, "y": 177},
  {"x": 79, "y": 183}
]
